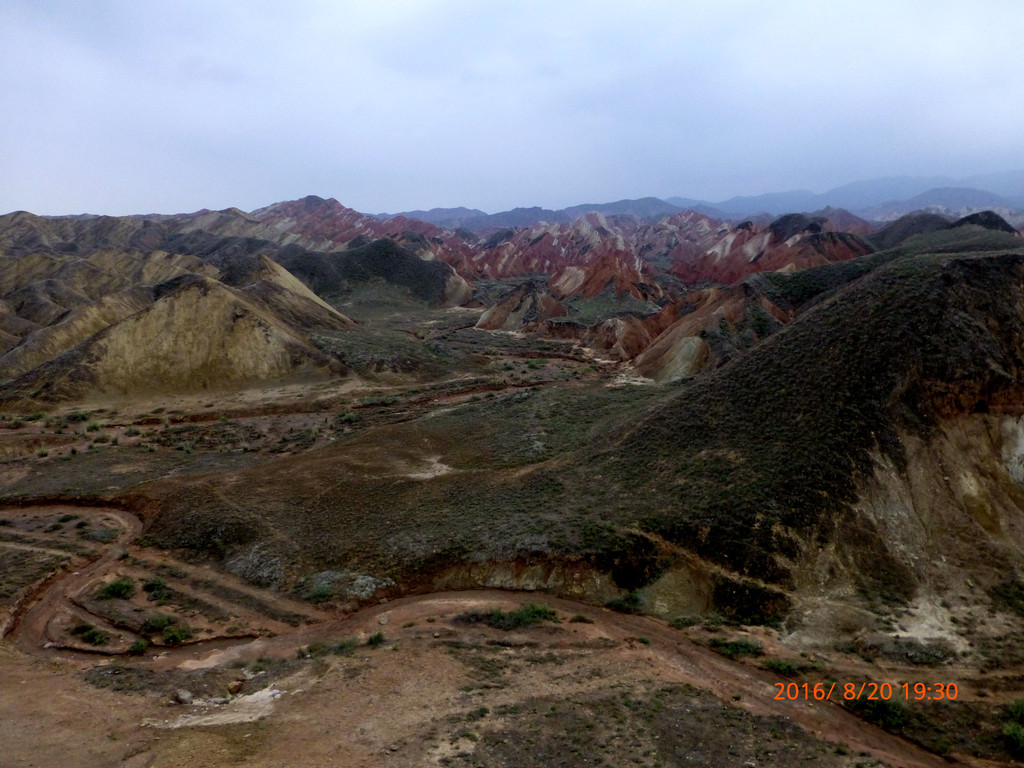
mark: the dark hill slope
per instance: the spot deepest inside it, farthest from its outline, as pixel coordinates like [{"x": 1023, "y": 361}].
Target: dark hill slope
[
  {"x": 753, "y": 463},
  {"x": 915, "y": 224},
  {"x": 333, "y": 273},
  {"x": 988, "y": 220},
  {"x": 755, "y": 467}
]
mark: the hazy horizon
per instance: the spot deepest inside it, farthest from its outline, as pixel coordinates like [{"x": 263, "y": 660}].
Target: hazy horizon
[{"x": 125, "y": 108}]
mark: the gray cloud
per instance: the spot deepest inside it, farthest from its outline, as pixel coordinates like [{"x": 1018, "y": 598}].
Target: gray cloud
[{"x": 125, "y": 107}]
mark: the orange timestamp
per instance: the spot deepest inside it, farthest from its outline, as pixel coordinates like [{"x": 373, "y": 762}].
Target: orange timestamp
[{"x": 869, "y": 691}]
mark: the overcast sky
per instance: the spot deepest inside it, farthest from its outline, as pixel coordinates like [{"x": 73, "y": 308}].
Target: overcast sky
[{"x": 135, "y": 107}]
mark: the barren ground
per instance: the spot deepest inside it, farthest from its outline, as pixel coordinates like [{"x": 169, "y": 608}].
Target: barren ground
[{"x": 433, "y": 688}]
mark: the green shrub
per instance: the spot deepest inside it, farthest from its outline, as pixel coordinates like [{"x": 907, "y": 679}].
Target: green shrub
[
  {"x": 1009, "y": 595},
  {"x": 157, "y": 623},
  {"x": 138, "y": 647},
  {"x": 527, "y": 616},
  {"x": 345, "y": 647},
  {"x": 316, "y": 650},
  {"x": 376, "y": 640},
  {"x": 176, "y": 634},
  {"x": 782, "y": 667},
  {"x": 89, "y": 634},
  {"x": 579, "y": 618},
  {"x": 120, "y": 589},
  {"x": 320, "y": 595},
  {"x": 1013, "y": 733},
  {"x": 890, "y": 714},
  {"x": 628, "y": 603},
  {"x": 735, "y": 649},
  {"x": 131, "y": 432},
  {"x": 1016, "y": 710},
  {"x": 156, "y": 588},
  {"x": 386, "y": 400}
]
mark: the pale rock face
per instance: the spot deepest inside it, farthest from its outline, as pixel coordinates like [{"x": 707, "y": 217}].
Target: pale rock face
[
  {"x": 456, "y": 291},
  {"x": 685, "y": 357},
  {"x": 1012, "y": 433},
  {"x": 570, "y": 280},
  {"x": 945, "y": 518}
]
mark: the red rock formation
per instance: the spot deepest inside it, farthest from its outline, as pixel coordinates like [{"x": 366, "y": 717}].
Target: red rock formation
[
  {"x": 528, "y": 305},
  {"x": 328, "y": 225},
  {"x": 746, "y": 249}
]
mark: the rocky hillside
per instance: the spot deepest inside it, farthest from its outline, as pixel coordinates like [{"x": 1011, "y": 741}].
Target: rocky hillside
[
  {"x": 94, "y": 305},
  {"x": 655, "y": 292},
  {"x": 839, "y": 465}
]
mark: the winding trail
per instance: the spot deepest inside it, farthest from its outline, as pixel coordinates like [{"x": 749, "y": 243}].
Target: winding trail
[
  {"x": 27, "y": 626},
  {"x": 676, "y": 657}
]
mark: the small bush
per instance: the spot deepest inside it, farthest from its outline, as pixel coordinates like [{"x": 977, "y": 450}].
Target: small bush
[
  {"x": 89, "y": 634},
  {"x": 157, "y": 623},
  {"x": 376, "y": 640},
  {"x": 345, "y": 647},
  {"x": 735, "y": 649},
  {"x": 131, "y": 432},
  {"x": 119, "y": 589},
  {"x": 156, "y": 588},
  {"x": 1013, "y": 733},
  {"x": 579, "y": 618},
  {"x": 628, "y": 603},
  {"x": 176, "y": 634},
  {"x": 891, "y": 715},
  {"x": 93, "y": 427},
  {"x": 386, "y": 400},
  {"x": 527, "y": 616},
  {"x": 320, "y": 595},
  {"x": 138, "y": 648},
  {"x": 682, "y": 622},
  {"x": 1016, "y": 710},
  {"x": 782, "y": 667},
  {"x": 316, "y": 650}
]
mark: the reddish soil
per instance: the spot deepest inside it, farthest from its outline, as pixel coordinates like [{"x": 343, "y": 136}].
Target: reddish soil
[{"x": 383, "y": 702}]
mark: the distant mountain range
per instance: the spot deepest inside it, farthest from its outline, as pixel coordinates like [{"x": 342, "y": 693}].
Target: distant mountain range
[
  {"x": 884, "y": 199},
  {"x": 648, "y": 208}
]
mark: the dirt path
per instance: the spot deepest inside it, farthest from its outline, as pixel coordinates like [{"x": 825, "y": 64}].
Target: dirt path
[
  {"x": 688, "y": 662},
  {"x": 675, "y": 657},
  {"x": 27, "y": 627}
]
